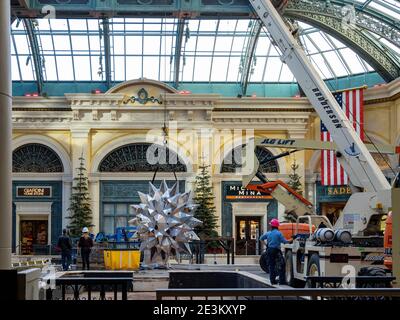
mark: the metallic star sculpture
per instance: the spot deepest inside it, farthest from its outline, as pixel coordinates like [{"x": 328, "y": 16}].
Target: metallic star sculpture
[{"x": 165, "y": 223}]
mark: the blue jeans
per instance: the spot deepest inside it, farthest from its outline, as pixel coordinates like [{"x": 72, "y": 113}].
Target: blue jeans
[
  {"x": 274, "y": 256},
  {"x": 66, "y": 260}
]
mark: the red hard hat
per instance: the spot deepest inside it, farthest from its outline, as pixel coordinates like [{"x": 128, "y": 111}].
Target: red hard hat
[{"x": 274, "y": 223}]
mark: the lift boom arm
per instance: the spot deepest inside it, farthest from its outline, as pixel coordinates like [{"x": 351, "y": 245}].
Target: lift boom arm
[
  {"x": 293, "y": 201},
  {"x": 352, "y": 154}
]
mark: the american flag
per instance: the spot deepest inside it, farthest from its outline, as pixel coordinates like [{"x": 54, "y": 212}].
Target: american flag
[{"x": 352, "y": 103}]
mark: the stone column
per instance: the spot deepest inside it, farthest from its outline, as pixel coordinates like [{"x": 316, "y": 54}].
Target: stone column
[
  {"x": 5, "y": 137},
  {"x": 67, "y": 189},
  {"x": 218, "y": 202},
  {"x": 205, "y": 147},
  {"x": 80, "y": 147},
  {"x": 94, "y": 188},
  {"x": 309, "y": 189}
]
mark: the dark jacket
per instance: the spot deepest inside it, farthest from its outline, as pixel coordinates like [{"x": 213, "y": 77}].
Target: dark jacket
[
  {"x": 65, "y": 244},
  {"x": 85, "y": 243}
]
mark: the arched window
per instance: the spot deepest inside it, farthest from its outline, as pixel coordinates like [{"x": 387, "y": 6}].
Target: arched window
[
  {"x": 134, "y": 158},
  {"x": 232, "y": 161},
  {"x": 37, "y": 158}
]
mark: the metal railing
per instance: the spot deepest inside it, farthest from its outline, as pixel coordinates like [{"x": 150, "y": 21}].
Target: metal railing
[
  {"x": 90, "y": 288},
  {"x": 199, "y": 248},
  {"x": 280, "y": 294},
  {"x": 37, "y": 249}
]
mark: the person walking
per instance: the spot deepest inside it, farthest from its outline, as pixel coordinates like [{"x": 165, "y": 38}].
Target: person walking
[
  {"x": 85, "y": 244},
  {"x": 274, "y": 240},
  {"x": 65, "y": 245}
]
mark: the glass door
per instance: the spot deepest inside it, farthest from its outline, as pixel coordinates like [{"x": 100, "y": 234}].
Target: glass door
[
  {"x": 247, "y": 235},
  {"x": 34, "y": 236}
]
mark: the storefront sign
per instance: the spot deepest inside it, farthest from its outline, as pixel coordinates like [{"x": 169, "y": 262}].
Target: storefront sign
[
  {"x": 234, "y": 192},
  {"x": 338, "y": 191},
  {"x": 332, "y": 193},
  {"x": 33, "y": 192}
]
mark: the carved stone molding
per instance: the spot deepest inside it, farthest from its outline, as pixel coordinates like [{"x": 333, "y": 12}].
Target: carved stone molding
[
  {"x": 75, "y": 115},
  {"x": 95, "y": 115},
  {"x": 363, "y": 19},
  {"x": 25, "y": 119},
  {"x": 114, "y": 115}
]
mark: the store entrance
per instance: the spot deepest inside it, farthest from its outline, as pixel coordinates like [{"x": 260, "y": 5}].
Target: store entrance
[
  {"x": 247, "y": 235},
  {"x": 33, "y": 236}
]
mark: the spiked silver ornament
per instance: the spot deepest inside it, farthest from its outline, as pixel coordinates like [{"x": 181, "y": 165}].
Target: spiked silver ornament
[{"x": 165, "y": 223}]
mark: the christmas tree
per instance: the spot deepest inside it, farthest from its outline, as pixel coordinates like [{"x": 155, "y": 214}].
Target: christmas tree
[
  {"x": 80, "y": 211},
  {"x": 295, "y": 184},
  {"x": 205, "y": 201},
  {"x": 294, "y": 181}
]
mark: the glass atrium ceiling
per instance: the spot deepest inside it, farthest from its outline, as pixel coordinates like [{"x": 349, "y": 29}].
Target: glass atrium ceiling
[
  {"x": 389, "y": 8},
  {"x": 212, "y": 51}
]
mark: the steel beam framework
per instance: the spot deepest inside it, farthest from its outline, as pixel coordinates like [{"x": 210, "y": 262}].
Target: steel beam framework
[
  {"x": 249, "y": 56},
  {"x": 367, "y": 47},
  {"x": 183, "y": 9},
  {"x": 107, "y": 52},
  {"x": 180, "y": 30},
  {"x": 35, "y": 52},
  {"x": 364, "y": 18},
  {"x": 326, "y": 15}
]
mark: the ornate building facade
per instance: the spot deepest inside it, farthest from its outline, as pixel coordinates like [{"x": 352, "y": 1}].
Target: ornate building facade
[{"x": 115, "y": 133}]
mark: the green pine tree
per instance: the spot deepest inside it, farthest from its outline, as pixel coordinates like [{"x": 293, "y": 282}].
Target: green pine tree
[
  {"x": 295, "y": 184},
  {"x": 204, "y": 198},
  {"x": 80, "y": 211},
  {"x": 294, "y": 181}
]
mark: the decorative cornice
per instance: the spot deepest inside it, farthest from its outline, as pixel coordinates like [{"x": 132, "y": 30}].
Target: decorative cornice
[
  {"x": 40, "y": 103},
  {"x": 272, "y": 120},
  {"x": 382, "y": 100},
  {"x": 27, "y": 119},
  {"x": 101, "y": 100},
  {"x": 43, "y": 117},
  {"x": 43, "y": 109},
  {"x": 308, "y": 110},
  {"x": 264, "y": 101},
  {"x": 383, "y": 93}
]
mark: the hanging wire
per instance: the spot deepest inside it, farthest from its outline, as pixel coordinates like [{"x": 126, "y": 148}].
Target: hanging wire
[{"x": 165, "y": 126}]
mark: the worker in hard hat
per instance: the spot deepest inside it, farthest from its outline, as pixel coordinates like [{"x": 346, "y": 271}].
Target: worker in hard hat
[
  {"x": 85, "y": 244},
  {"x": 274, "y": 240}
]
